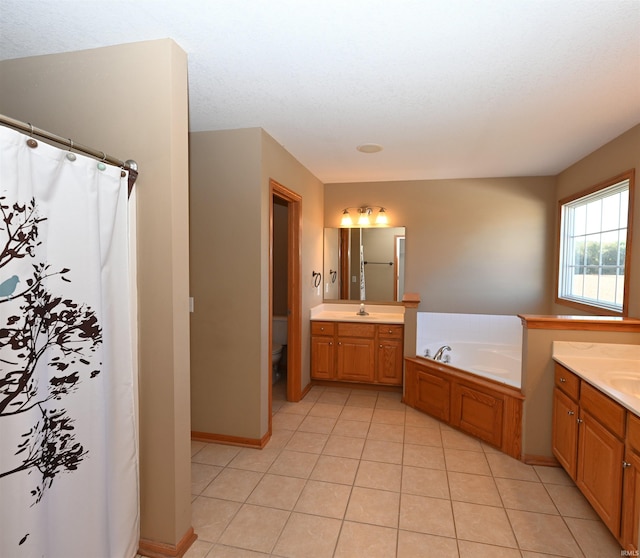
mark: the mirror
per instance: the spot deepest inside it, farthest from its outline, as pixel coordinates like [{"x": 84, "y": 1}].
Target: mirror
[{"x": 364, "y": 264}]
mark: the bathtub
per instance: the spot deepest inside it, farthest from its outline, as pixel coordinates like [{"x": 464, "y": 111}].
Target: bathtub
[{"x": 485, "y": 345}]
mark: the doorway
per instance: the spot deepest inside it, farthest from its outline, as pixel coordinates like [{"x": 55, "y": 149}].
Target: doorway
[{"x": 284, "y": 199}]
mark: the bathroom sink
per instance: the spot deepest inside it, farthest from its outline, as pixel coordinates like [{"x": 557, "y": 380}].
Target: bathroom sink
[{"x": 625, "y": 383}]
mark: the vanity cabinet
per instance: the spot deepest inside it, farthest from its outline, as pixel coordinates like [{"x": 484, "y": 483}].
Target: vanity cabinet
[
  {"x": 357, "y": 352},
  {"x": 589, "y": 431},
  {"x": 631, "y": 487}
]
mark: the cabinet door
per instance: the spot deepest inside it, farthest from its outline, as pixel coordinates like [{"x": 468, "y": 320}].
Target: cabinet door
[
  {"x": 389, "y": 362},
  {"x": 322, "y": 358},
  {"x": 355, "y": 359},
  {"x": 477, "y": 412},
  {"x": 432, "y": 395},
  {"x": 631, "y": 501},
  {"x": 599, "y": 471},
  {"x": 564, "y": 441}
]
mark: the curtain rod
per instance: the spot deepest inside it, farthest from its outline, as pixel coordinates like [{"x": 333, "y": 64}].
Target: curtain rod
[{"x": 129, "y": 165}]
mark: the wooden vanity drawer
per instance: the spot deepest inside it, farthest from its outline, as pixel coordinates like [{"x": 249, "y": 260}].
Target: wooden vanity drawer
[
  {"x": 633, "y": 432},
  {"x": 389, "y": 331},
  {"x": 609, "y": 413},
  {"x": 323, "y": 328},
  {"x": 348, "y": 329},
  {"x": 567, "y": 381}
]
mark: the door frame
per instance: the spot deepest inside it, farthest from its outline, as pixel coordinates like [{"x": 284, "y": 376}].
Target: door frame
[{"x": 294, "y": 290}]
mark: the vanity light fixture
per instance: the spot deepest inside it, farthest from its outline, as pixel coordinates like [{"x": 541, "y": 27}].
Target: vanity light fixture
[{"x": 364, "y": 217}]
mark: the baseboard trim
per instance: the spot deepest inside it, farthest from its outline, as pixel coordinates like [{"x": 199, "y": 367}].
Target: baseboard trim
[
  {"x": 356, "y": 385},
  {"x": 154, "y": 549},
  {"x": 231, "y": 440},
  {"x": 541, "y": 460}
]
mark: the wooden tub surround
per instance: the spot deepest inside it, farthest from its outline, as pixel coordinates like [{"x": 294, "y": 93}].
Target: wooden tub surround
[{"x": 484, "y": 408}]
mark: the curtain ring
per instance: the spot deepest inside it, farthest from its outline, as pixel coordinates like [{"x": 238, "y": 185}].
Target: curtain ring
[
  {"x": 31, "y": 142},
  {"x": 104, "y": 156},
  {"x": 31, "y": 126},
  {"x": 70, "y": 144}
]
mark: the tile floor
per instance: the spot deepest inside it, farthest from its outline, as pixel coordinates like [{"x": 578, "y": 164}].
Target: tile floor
[{"x": 354, "y": 473}]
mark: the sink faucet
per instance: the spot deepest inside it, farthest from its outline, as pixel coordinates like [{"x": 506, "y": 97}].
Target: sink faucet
[{"x": 440, "y": 352}]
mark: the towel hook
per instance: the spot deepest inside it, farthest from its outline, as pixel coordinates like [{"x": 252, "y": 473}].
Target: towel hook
[{"x": 317, "y": 278}]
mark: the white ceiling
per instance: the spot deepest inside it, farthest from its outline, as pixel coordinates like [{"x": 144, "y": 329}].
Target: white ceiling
[{"x": 450, "y": 88}]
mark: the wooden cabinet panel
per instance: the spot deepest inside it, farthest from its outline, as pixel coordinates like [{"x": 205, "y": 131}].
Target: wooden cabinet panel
[
  {"x": 323, "y": 328},
  {"x": 599, "y": 470},
  {"x": 609, "y": 413},
  {"x": 389, "y": 361},
  {"x": 355, "y": 359},
  {"x": 567, "y": 381},
  {"x": 390, "y": 331},
  {"x": 349, "y": 329},
  {"x": 565, "y": 431},
  {"x": 631, "y": 501},
  {"x": 432, "y": 395},
  {"x": 322, "y": 358},
  {"x": 477, "y": 412}
]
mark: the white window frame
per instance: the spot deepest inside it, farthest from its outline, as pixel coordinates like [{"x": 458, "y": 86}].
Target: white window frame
[{"x": 568, "y": 237}]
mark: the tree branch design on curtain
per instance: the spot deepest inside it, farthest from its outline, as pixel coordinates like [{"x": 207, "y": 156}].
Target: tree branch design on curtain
[{"x": 41, "y": 323}]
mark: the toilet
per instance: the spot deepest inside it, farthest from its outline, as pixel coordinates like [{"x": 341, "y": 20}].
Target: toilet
[{"x": 279, "y": 340}]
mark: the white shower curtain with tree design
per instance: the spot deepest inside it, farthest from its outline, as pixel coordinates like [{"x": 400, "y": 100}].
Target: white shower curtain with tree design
[{"x": 68, "y": 442}]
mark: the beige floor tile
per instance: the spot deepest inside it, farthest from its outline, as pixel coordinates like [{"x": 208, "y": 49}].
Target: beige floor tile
[
  {"x": 216, "y": 454},
  {"x": 538, "y": 532},
  {"x": 422, "y": 436},
  {"x": 386, "y": 432},
  {"x": 423, "y": 456},
  {"x": 525, "y": 495},
  {"x": 202, "y": 475},
  {"x": 294, "y": 464},
  {"x": 483, "y": 524},
  {"x": 553, "y": 475},
  {"x": 196, "y": 446},
  {"x": 361, "y": 414},
  {"x": 376, "y": 507},
  {"x": 210, "y": 517},
  {"x": 286, "y": 421},
  {"x": 276, "y": 491},
  {"x": 341, "y": 470},
  {"x": 417, "y": 418},
  {"x": 199, "y": 549},
  {"x": 570, "y": 501},
  {"x": 425, "y": 482},
  {"x": 432, "y": 516},
  {"x": 326, "y": 410},
  {"x": 383, "y": 476},
  {"x": 351, "y": 428},
  {"x": 379, "y": 450},
  {"x": 322, "y": 425},
  {"x": 233, "y": 484},
  {"x": 299, "y": 408},
  {"x": 341, "y": 446},
  {"x": 308, "y": 536},
  {"x": 358, "y": 540},
  {"x": 420, "y": 545},
  {"x": 279, "y": 439},
  {"x": 333, "y": 397},
  {"x": 464, "y": 461},
  {"x": 324, "y": 498},
  {"x": 475, "y": 489},
  {"x": 390, "y": 405},
  {"x": 507, "y": 467},
  {"x": 453, "y": 439},
  {"x": 387, "y": 416},
  {"x": 222, "y": 551},
  {"x": 469, "y": 549},
  {"x": 255, "y": 528},
  {"x": 362, "y": 401},
  {"x": 310, "y": 442},
  {"x": 254, "y": 459},
  {"x": 594, "y": 538}
]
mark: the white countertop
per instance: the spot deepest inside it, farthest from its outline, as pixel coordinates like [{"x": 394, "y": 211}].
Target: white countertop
[
  {"x": 377, "y": 313},
  {"x": 611, "y": 368}
]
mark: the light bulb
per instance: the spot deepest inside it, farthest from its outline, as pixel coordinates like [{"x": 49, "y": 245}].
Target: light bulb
[
  {"x": 381, "y": 218},
  {"x": 346, "y": 219}
]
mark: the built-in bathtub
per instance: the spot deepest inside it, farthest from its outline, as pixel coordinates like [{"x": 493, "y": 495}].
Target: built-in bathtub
[{"x": 486, "y": 345}]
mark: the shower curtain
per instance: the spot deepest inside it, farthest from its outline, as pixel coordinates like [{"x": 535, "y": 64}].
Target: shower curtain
[{"x": 68, "y": 429}]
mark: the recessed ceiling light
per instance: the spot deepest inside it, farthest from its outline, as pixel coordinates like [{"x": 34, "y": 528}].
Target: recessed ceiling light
[{"x": 369, "y": 148}]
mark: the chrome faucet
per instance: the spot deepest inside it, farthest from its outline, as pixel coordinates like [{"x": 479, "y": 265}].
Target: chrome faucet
[{"x": 440, "y": 352}]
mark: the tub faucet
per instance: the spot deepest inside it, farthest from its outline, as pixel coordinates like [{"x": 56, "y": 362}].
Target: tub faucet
[{"x": 440, "y": 352}]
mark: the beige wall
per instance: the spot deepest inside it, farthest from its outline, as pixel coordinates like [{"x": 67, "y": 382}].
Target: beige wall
[
  {"x": 131, "y": 101},
  {"x": 231, "y": 356},
  {"x": 613, "y": 158},
  {"x": 472, "y": 245}
]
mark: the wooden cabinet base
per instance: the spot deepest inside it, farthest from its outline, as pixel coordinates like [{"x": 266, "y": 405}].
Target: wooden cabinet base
[{"x": 483, "y": 408}]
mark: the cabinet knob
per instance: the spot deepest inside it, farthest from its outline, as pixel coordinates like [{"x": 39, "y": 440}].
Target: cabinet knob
[
  {"x": 390, "y": 331},
  {"x": 381, "y": 346},
  {"x": 579, "y": 421},
  {"x": 625, "y": 464},
  {"x": 321, "y": 329},
  {"x": 571, "y": 413},
  {"x": 330, "y": 343},
  {"x": 562, "y": 380}
]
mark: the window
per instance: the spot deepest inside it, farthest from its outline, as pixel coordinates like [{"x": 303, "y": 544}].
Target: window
[{"x": 593, "y": 271}]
